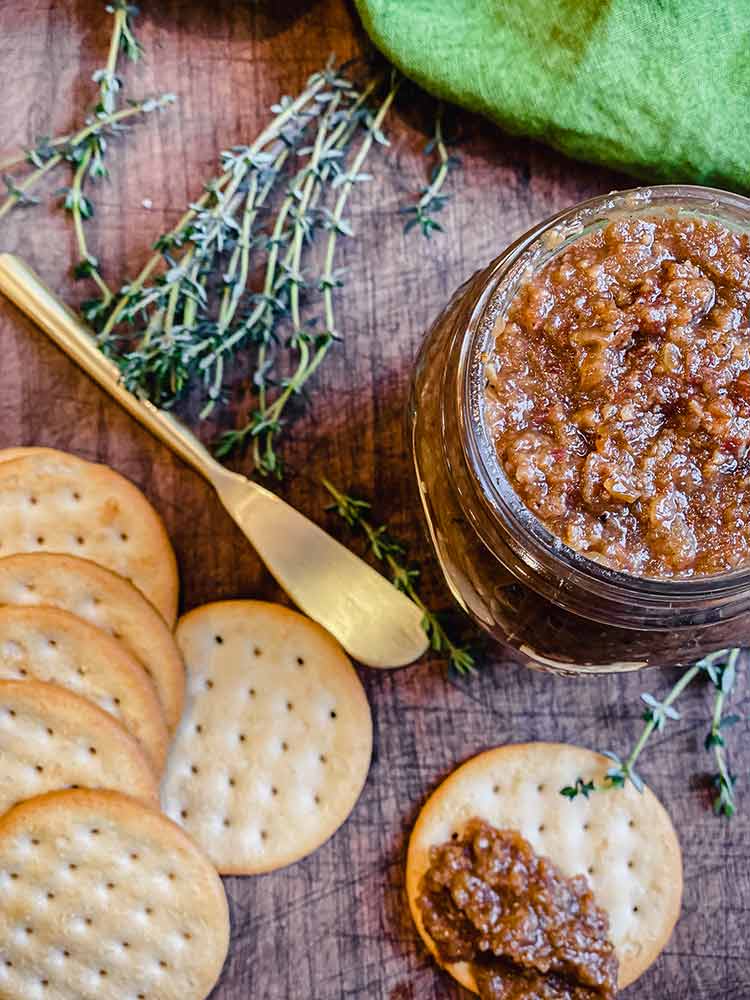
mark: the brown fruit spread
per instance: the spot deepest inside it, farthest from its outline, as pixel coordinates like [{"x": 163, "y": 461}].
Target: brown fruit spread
[
  {"x": 528, "y": 932},
  {"x": 618, "y": 396}
]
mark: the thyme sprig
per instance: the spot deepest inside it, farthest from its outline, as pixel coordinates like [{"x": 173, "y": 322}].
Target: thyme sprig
[
  {"x": 85, "y": 149},
  {"x": 193, "y": 307},
  {"x": 182, "y": 335},
  {"x": 721, "y": 670},
  {"x": 311, "y": 345},
  {"x": 432, "y": 199},
  {"x": 388, "y": 550}
]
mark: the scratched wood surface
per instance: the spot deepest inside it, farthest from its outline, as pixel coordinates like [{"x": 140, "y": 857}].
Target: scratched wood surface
[{"x": 335, "y": 926}]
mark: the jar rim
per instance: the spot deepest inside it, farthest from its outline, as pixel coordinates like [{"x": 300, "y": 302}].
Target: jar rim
[{"x": 539, "y": 549}]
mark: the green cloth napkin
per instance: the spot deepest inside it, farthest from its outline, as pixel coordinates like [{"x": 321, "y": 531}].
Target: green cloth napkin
[{"x": 658, "y": 88}]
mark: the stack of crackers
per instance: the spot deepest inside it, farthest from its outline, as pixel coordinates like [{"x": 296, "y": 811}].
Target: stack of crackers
[
  {"x": 102, "y": 895},
  {"x": 271, "y": 737}
]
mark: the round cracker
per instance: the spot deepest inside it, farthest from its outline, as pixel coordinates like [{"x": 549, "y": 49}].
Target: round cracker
[
  {"x": 622, "y": 841},
  {"x": 46, "y": 644},
  {"x": 275, "y": 743},
  {"x": 108, "y": 601},
  {"x": 54, "y": 502},
  {"x": 52, "y": 739},
  {"x": 21, "y": 451},
  {"x": 104, "y": 899}
]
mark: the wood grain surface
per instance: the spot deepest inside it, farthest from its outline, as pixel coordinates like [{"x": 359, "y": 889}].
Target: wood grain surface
[{"x": 336, "y": 925}]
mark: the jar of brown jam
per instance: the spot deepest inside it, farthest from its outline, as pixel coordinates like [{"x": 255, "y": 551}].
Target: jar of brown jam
[{"x": 580, "y": 422}]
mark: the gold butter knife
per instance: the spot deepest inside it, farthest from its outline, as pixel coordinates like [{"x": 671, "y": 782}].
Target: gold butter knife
[{"x": 373, "y": 621}]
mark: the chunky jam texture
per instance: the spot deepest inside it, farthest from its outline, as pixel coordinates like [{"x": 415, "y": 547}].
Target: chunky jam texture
[
  {"x": 529, "y": 932},
  {"x": 618, "y": 395}
]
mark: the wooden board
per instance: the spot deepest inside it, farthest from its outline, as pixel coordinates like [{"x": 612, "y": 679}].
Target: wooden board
[{"x": 336, "y": 925}]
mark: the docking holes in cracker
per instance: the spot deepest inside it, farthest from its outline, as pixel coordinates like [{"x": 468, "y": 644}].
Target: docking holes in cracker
[
  {"x": 55, "y": 502},
  {"x": 105, "y": 899},
  {"x": 47, "y": 644},
  {"x": 107, "y": 601},
  {"x": 52, "y": 739},
  {"x": 275, "y": 743}
]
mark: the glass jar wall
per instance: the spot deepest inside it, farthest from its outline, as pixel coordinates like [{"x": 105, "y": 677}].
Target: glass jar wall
[{"x": 552, "y": 606}]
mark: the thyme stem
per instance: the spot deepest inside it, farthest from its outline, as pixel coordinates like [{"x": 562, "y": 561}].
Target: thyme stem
[
  {"x": 723, "y": 679},
  {"x": 268, "y": 135},
  {"x": 652, "y": 722},
  {"x": 292, "y": 265},
  {"x": 720, "y": 667},
  {"x": 270, "y": 418},
  {"x": 725, "y": 779},
  {"x": 23, "y": 186},
  {"x": 339, "y": 140},
  {"x": 84, "y": 150},
  {"x": 115, "y": 41},
  {"x": 387, "y": 550},
  {"x": 77, "y": 190},
  {"x": 95, "y": 128},
  {"x": 432, "y": 199},
  {"x": 241, "y": 258},
  {"x": 442, "y": 172}
]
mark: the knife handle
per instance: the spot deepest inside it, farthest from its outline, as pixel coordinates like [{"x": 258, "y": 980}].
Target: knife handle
[{"x": 26, "y": 290}]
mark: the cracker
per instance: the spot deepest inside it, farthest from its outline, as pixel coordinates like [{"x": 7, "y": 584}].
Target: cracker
[
  {"x": 54, "y": 502},
  {"x": 275, "y": 744},
  {"x": 52, "y": 739},
  {"x": 46, "y": 644},
  {"x": 104, "y": 899},
  {"x": 624, "y": 842},
  {"x": 107, "y": 601},
  {"x": 21, "y": 451}
]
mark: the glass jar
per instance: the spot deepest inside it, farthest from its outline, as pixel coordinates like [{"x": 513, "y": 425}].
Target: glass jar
[{"x": 551, "y": 606}]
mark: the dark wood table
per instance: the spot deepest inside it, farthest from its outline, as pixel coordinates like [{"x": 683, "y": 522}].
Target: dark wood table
[{"x": 335, "y": 925}]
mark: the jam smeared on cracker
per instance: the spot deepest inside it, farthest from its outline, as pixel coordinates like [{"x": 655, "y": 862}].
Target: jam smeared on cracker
[{"x": 529, "y": 932}]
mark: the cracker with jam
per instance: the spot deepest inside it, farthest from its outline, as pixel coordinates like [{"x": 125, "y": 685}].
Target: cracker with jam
[{"x": 519, "y": 892}]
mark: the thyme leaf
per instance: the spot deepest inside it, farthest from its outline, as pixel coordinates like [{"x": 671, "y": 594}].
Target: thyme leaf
[{"x": 581, "y": 787}]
